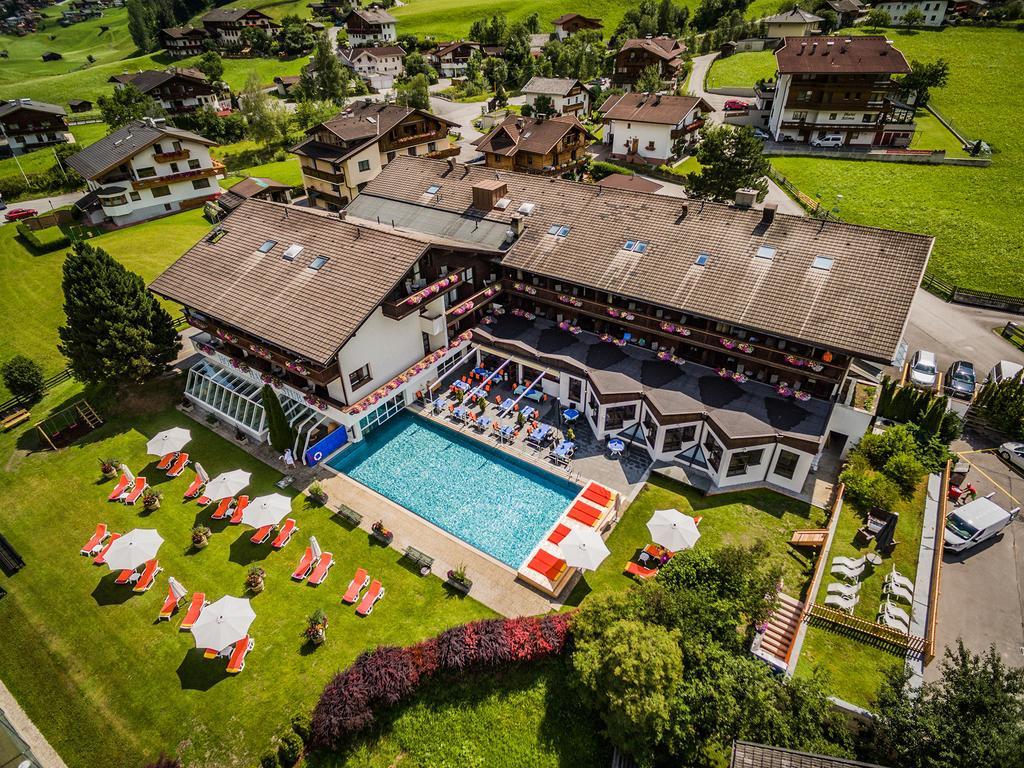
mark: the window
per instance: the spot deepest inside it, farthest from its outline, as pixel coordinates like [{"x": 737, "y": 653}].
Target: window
[
  {"x": 713, "y": 451},
  {"x": 193, "y": 164},
  {"x": 677, "y": 437},
  {"x": 364, "y": 165},
  {"x": 318, "y": 262},
  {"x": 177, "y": 146},
  {"x": 822, "y": 262},
  {"x": 575, "y": 389},
  {"x": 558, "y": 230},
  {"x": 785, "y": 465},
  {"x": 217, "y": 235},
  {"x": 174, "y": 167},
  {"x": 868, "y": 118},
  {"x": 163, "y": 191},
  {"x": 741, "y": 460},
  {"x": 267, "y": 246},
  {"x": 446, "y": 365},
  {"x": 382, "y": 413},
  {"x": 636, "y": 246},
  {"x": 433, "y": 189},
  {"x": 145, "y": 173},
  {"x": 201, "y": 184},
  {"x": 833, "y": 116},
  {"x": 702, "y": 259},
  {"x": 799, "y": 115},
  {"x": 359, "y": 377},
  {"x": 291, "y": 252},
  {"x": 116, "y": 200},
  {"x": 158, "y": 149},
  {"x": 765, "y": 252},
  {"x": 432, "y": 146},
  {"x": 135, "y": 196},
  {"x": 849, "y": 116}
]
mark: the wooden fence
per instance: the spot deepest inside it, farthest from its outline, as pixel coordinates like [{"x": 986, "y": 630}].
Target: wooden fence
[
  {"x": 812, "y": 205},
  {"x": 958, "y": 295},
  {"x": 933, "y": 595},
  {"x": 866, "y": 630}
]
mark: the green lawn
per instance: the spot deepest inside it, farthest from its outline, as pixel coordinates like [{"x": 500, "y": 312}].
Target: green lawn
[
  {"x": 969, "y": 210},
  {"x": 276, "y": 9},
  {"x": 742, "y": 70},
  {"x": 88, "y": 661},
  {"x": 286, "y": 171},
  {"x": 38, "y": 161},
  {"x": 88, "y": 133},
  {"x": 932, "y": 134}
]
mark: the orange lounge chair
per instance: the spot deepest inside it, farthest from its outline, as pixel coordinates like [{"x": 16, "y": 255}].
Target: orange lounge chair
[
  {"x": 584, "y": 513},
  {"x": 119, "y": 489},
  {"x": 222, "y": 509},
  {"x": 137, "y": 488},
  {"x": 210, "y": 653},
  {"x": 547, "y": 564},
  {"x": 101, "y": 558},
  {"x": 262, "y": 534},
  {"x": 124, "y": 576},
  {"x": 197, "y": 485},
  {"x": 237, "y": 661},
  {"x": 170, "y": 605},
  {"x": 148, "y": 577},
  {"x": 635, "y": 569},
  {"x": 305, "y": 565},
  {"x": 560, "y": 532},
  {"x": 359, "y": 582},
  {"x": 323, "y": 565},
  {"x": 167, "y": 460},
  {"x": 236, "y": 513},
  {"x": 93, "y": 545},
  {"x": 598, "y": 495},
  {"x": 194, "y": 609},
  {"x": 179, "y": 465},
  {"x": 373, "y": 594},
  {"x": 285, "y": 534}
]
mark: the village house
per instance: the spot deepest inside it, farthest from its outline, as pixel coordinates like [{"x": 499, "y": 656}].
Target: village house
[
  {"x": 536, "y": 145},
  {"x": 651, "y": 128},
  {"x": 284, "y": 84},
  {"x": 658, "y": 318},
  {"x": 569, "y": 24},
  {"x": 934, "y": 11},
  {"x": 178, "y": 90},
  {"x": 332, "y": 9},
  {"x": 339, "y": 156},
  {"x": 847, "y": 11},
  {"x": 792, "y": 23},
  {"x": 27, "y": 124},
  {"x": 636, "y": 54},
  {"x": 378, "y": 65},
  {"x": 366, "y": 26},
  {"x": 225, "y": 25},
  {"x": 568, "y": 95},
  {"x": 841, "y": 87},
  {"x": 450, "y": 59},
  {"x": 182, "y": 42},
  {"x": 145, "y": 170},
  {"x": 254, "y": 187}
]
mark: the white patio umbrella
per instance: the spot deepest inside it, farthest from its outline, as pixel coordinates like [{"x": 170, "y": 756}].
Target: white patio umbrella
[
  {"x": 315, "y": 546},
  {"x": 133, "y": 549},
  {"x": 266, "y": 510},
  {"x": 227, "y": 484},
  {"x": 168, "y": 441},
  {"x": 222, "y": 623},
  {"x": 673, "y": 530},
  {"x": 177, "y": 588},
  {"x": 584, "y": 548}
]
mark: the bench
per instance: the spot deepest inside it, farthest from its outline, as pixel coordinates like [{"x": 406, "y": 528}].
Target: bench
[
  {"x": 14, "y": 418},
  {"x": 10, "y": 560},
  {"x": 349, "y": 515},
  {"x": 419, "y": 558},
  {"x": 810, "y": 538}
]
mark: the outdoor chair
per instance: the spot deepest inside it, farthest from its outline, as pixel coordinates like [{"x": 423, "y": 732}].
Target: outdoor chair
[
  {"x": 305, "y": 565},
  {"x": 584, "y": 513},
  {"x": 635, "y": 569},
  {"x": 323, "y": 565},
  {"x": 138, "y": 487},
  {"x": 236, "y": 513},
  {"x": 841, "y": 603},
  {"x": 849, "y": 574},
  {"x": 598, "y": 495},
  {"x": 892, "y": 622},
  {"x": 896, "y": 614},
  {"x": 179, "y": 465},
  {"x": 897, "y": 578},
  {"x": 101, "y": 558},
  {"x": 122, "y": 485},
  {"x": 170, "y": 605},
  {"x": 547, "y": 565},
  {"x": 195, "y": 487},
  {"x": 358, "y": 583},
  {"x": 898, "y": 591},
  {"x": 94, "y": 544},
  {"x": 222, "y": 508},
  {"x": 125, "y": 576},
  {"x": 560, "y": 532},
  {"x": 844, "y": 590},
  {"x": 285, "y": 534},
  {"x": 262, "y": 534},
  {"x": 373, "y": 594},
  {"x": 194, "y": 609},
  {"x": 850, "y": 563},
  {"x": 237, "y": 661},
  {"x": 167, "y": 460},
  {"x": 148, "y": 577}
]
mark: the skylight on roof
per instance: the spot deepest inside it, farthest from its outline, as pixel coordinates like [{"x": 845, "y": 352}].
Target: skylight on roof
[
  {"x": 318, "y": 262},
  {"x": 702, "y": 259},
  {"x": 502, "y": 204},
  {"x": 823, "y": 262},
  {"x": 267, "y": 246},
  {"x": 558, "y": 230},
  {"x": 636, "y": 246},
  {"x": 291, "y": 252},
  {"x": 526, "y": 208},
  {"x": 433, "y": 189},
  {"x": 765, "y": 252}
]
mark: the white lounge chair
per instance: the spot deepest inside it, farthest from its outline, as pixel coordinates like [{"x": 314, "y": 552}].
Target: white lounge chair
[
  {"x": 892, "y": 589},
  {"x": 844, "y": 590},
  {"x": 842, "y": 603},
  {"x": 896, "y": 615},
  {"x": 893, "y": 623},
  {"x": 851, "y": 563},
  {"x": 850, "y": 574},
  {"x": 897, "y": 578}
]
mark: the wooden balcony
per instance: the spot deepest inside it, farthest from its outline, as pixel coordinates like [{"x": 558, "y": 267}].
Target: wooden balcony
[
  {"x": 680, "y": 133},
  {"x": 404, "y": 306},
  {"x": 197, "y": 173},
  {"x": 316, "y": 173},
  {"x": 169, "y": 157},
  {"x": 401, "y": 141},
  {"x": 479, "y": 299},
  {"x": 452, "y": 151}
]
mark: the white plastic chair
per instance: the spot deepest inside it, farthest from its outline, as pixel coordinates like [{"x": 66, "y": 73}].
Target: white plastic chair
[
  {"x": 897, "y": 578},
  {"x": 892, "y": 589},
  {"x": 844, "y": 590},
  {"x": 850, "y": 574},
  {"x": 842, "y": 603}
]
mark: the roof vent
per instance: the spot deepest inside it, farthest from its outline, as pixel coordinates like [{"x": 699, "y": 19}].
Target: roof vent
[
  {"x": 526, "y": 208},
  {"x": 502, "y": 204},
  {"x": 291, "y": 252},
  {"x": 768, "y": 214},
  {"x": 745, "y": 197},
  {"x": 765, "y": 252}
]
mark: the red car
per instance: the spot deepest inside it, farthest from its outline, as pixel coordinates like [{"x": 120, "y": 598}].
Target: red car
[
  {"x": 733, "y": 104},
  {"x": 20, "y": 213}
]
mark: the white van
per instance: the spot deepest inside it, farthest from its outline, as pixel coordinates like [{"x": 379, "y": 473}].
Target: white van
[
  {"x": 1004, "y": 369},
  {"x": 975, "y": 522},
  {"x": 828, "y": 140}
]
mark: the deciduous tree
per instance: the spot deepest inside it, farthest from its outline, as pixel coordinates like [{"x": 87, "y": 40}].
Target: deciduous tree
[
  {"x": 912, "y": 18},
  {"x": 877, "y": 18},
  {"x": 730, "y": 159},
  {"x": 649, "y": 80},
  {"x": 415, "y": 92},
  {"x": 128, "y": 103},
  {"x": 325, "y": 79},
  {"x": 211, "y": 65},
  {"x": 416, "y": 64},
  {"x": 922, "y": 78},
  {"x": 23, "y": 378},
  {"x": 266, "y": 120}
]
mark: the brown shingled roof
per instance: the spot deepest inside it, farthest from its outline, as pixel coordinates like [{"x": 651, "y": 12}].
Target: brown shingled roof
[
  {"x": 567, "y": 17},
  {"x": 629, "y": 182},
  {"x": 528, "y": 134},
  {"x": 651, "y": 108},
  {"x": 667, "y": 48},
  {"x": 868, "y": 54}
]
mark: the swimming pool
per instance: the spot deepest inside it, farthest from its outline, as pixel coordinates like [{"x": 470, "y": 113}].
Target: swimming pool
[{"x": 492, "y": 501}]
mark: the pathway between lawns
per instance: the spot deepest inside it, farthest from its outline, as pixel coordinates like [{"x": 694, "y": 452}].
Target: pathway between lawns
[{"x": 26, "y": 730}]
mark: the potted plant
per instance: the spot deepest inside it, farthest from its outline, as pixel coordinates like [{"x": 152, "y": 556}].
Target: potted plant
[
  {"x": 186, "y": 404},
  {"x": 316, "y": 627},
  {"x": 254, "y": 581},
  {"x": 201, "y": 536},
  {"x": 520, "y": 419},
  {"x": 381, "y": 533},
  {"x": 239, "y": 435},
  {"x": 317, "y": 493},
  {"x": 151, "y": 499},
  {"x": 211, "y": 419},
  {"x": 459, "y": 395},
  {"x": 108, "y": 467},
  {"x": 481, "y": 405},
  {"x": 570, "y": 435},
  {"x": 457, "y": 579}
]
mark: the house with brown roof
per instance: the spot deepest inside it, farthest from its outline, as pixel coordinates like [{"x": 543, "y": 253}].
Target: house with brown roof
[
  {"x": 378, "y": 65},
  {"x": 254, "y": 188},
  {"x": 339, "y": 156},
  {"x": 536, "y": 145},
  {"x": 636, "y": 54},
  {"x": 847, "y": 11},
  {"x": 569, "y": 24},
  {"x": 795, "y": 22},
  {"x": 181, "y": 42},
  {"x": 451, "y": 58},
  {"x": 28, "y": 124},
  {"x": 178, "y": 90},
  {"x": 225, "y": 25},
  {"x": 366, "y": 26},
  {"x": 651, "y": 128},
  {"x": 568, "y": 95},
  {"x": 629, "y": 182},
  {"x": 832, "y": 89},
  {"x": 746, "y": 754}
]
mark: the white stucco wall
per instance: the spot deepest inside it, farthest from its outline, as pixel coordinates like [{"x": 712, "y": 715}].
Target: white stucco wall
[{"x": 621, "y": 131}]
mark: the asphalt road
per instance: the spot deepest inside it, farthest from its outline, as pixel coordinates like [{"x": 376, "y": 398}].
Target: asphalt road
[{"x": 44, "y": 204}]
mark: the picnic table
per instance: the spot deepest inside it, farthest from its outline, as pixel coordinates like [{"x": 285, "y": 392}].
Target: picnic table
[
  {"x": 528, "y": 411},
  {"x": 483, "y": 422},
  {"x": 460, "y": 384},
  {"x": 533, "y": 394},
  {"x": 507, "y": 433},
  {"x": 461, "y": 412}
]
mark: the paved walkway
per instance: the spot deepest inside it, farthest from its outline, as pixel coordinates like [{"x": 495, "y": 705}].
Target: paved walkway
[{"x": 44, "y": 754}]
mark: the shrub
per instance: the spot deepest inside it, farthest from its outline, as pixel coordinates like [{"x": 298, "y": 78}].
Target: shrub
[
  {"x": 270, "y": 760},
  {"x": 24, "y": 378},
  {"x": 300, "y": 724},
  {"x": 905, "y": 470},
  {"x": 389, "y": 673},
  {"x": 290, "y": 750},
  {"x": 867, "y": 489},
  {"x": 165, "y": 762}
]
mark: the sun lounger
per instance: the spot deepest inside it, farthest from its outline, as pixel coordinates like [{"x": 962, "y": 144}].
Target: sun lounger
[
  {"x": 898, "y": 591},
  {"x": 138, "y": 487},
  {"x": 236, "y": 513},
  {"x": 359, "y": 581},
  {"x": 179, "y": 465},
  {"x": 892, "y": 622},
  {"x": 101, "y": 558},
  {"x": 193, "y": 490},
  {"x": 211, "y": 653},
  {"x": 323, "y": 565},
  {"x": 598, "y": 495},
  {"x": 584, "y": 513},
  {"x": 262, "y": 534},
  {"x": 845, "y": 572},
  {"x": 895, "y": 611},
  {"x": 170, "y": 605},
  {"x": 122, "y": 485},
  {"x": 194, "y": 609},
  {"x": 237, "y": 661},
  {"x": 285, "y": 534},
  {"x": 547, "y": 564},
  {"x": 843, "y": 590},
  {"x": 850, "y": 563},
  {"x": 125, "y": 576},
  {"x": 635, "y": 569},
  {"x": 148, "y": 577},
  {"x": 305, "y": 565},
  {"x": 93, "y": 545},
  {"x": 560, "y": 532},
  {"x": 373, "y": 594},
  {"x": 223, "y": 508},
  {"x": 842, "y": 603},
  {"x": 895, "y": 577},
  {"x": 167, "y": 460}
]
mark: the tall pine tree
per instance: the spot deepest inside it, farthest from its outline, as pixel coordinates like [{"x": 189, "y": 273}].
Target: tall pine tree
[
  {"x": 281, "y": 433},
  {"x": 116, "y": 330}
]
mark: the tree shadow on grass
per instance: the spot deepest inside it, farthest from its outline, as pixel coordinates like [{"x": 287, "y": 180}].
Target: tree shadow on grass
[
  {"x": 109, "y": 593},
  {"x": 200, "y": 674},
  {"x": 244, "y": 552}
]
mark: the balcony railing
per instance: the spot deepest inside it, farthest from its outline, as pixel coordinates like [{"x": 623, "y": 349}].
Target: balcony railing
[
  {"x": 196, "y": 173},
  {"x": 443, "y": 153},
  {"x": 477, "y": 300},
  {"x": 316, "y": 173},
  {"x": 167, "y": 157},
  {"x": 404, "y": 306},
  {"x": 400, "y": 142}
]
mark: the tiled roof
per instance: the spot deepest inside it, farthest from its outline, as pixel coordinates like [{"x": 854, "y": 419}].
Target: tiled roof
[
  {"x": 254, "y": 185},
  {"x": 12, "y": 106},
  {"x": 148, "y": 79},
  {"x": 179, "y": 33},
  {"x": 748, "y": 755},
  {"x": 374, "y": 15},
  {"x": 309, "y": 312},
  {"x": 860, "y": 305},
  {"x": 376, "y": 51},
  {"x": 845, "y": 6},
  {"x": 667, "y": 48},
  {"x": 868, "y": 54},
  {"x": 220, "y": 15},
  {"x": 516, "y": 133},
  {"x": 567, "y": 17},
  {"x": 558, "y": 86},
  {"x": 796, "y": 15},
  {"x": 651, "y": 108},
  {"x": 443, "y": 49},
  {"x": 124, "y": 143},
  {"x": 629, "y": 182}
]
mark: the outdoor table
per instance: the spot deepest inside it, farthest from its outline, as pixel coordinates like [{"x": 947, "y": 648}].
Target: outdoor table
[
  {"x": 460, "y": 384},
  {"x": 533, "y": 394},
  {"x": 570, "y": 414},
  {"x": 507, "y": 432},
  {"x": 874, "y": 558},
  {"x": 460, "y": 412},
  {"x": 616, "y": 446},
  {"x": 478, "y": 392},
  {"x": 528, "y": 411},
  {"x": 540, "y": 433},
  {"x": 482, "y": 372},
  {"x": 507, "y": 403},
  {"x": 484, "y": 422},
  {"x": 439, "y": 404}
]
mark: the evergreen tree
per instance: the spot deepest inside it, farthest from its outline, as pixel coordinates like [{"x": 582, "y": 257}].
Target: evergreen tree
[
  {"x": 126, "y": 104},
  {"x": 211, "y": 65},
  {"x": 730, "y": 159},
  {"x": 282, "y": 436},
  {"x": 649, "y": 80},
  {"x": 141, "y": 25},
  {"x": 116, "y": 330}
]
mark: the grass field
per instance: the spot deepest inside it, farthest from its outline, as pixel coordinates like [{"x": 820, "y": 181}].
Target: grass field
[
  {"x": 742, "y": 70},
  {"x": 970, "y": 211}
]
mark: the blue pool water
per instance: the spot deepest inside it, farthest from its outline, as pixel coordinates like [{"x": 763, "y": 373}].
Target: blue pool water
[{"x": 494, "y": 502}]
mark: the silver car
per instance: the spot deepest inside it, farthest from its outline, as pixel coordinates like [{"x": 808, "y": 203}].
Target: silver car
[
  {"x": 923, "y": 370},
  {"x": 1013, "y": 454}
]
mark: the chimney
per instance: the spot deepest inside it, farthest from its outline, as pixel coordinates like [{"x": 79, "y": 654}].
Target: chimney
[
  {"x": 451, "y": 164},
  {"x": 802, "y": 47},
  {"x": 517, "y": 224},
  {"x": 684, "y": 210},
  {"x": 519, "y": 123},
  {"x": 745, "y": 197},
  {"x": 768, "y": 214},
  {"x": 488, "y": 192},
  {"x": 657, "y": 100},
  {"x": 814, "y": 47}
]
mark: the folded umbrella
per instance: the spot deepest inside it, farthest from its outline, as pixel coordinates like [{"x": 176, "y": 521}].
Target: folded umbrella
[
  {"x": 673, "y": 530},
  {"x": 584, "y": 548},
  {"x": 266, "y": 510},
  {"x": 226, "y": 484},
  {"x": 223, "y": 622},
  {"x": 168, "y": 441},
  {"x": 133, "y": 549}
]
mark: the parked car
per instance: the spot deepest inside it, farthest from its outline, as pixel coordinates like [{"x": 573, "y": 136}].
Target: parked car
[
  {"x": 735, "y": 105},
  {"x": 1004, "y": 369},
  {"x": 761, "y": 134},
  {"x": 960, "y": 379},
  {"x": 20, "y": 213},
  {"x": 975, "y": 522},
  {"x": 923, "y": 371},
  {"x": 828, "y": 140},
  {"x": 1013, "y": 454}
]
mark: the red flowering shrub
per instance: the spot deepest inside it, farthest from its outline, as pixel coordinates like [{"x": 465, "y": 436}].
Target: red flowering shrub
[
  {"x": 424, "y": 657},
  {"x": 389, "y": 673},
  {"x": 519, "y": 636},
  {"x": 451, "y": 649}
]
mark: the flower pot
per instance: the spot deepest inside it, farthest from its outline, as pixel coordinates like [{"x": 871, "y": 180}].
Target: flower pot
[
  {"x": 256, "y": 586},
  {"x": 109, "y": 475},
  {"x": 459, "y": 585},
  {"x": 200, "y": 543},
  {"x": 318, "y": 637},
  {"x": 151, "y": 505}
]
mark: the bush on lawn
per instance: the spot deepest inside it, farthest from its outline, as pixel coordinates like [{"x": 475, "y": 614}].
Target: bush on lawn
[
  {"x": 388, "y": 675},
  {"x": 270, "y": 760},
  {"x": 599, "y": 169},
  {"x": 290, "y": 750},
  {"x": 165, "y": 762},
  {"x": 44, "y": 240},
  {"x": 23, "y": 379},
  {"x": 866, "y": 488}
]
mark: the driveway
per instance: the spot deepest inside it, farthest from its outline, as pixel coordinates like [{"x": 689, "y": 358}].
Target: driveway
[
  {"x": 464, "y": 115},
  {"x": 44, "y": 204}
]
